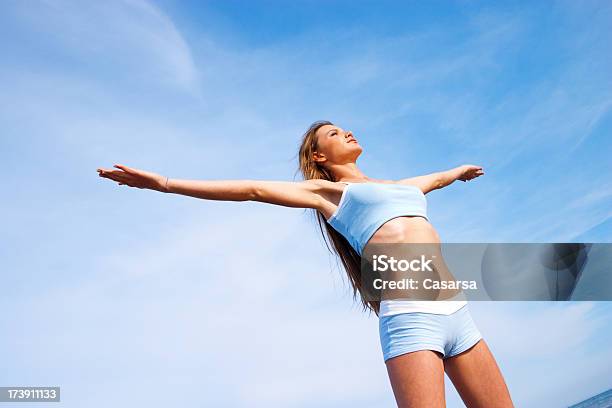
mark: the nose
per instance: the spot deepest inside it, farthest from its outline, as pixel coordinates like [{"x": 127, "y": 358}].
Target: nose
[{"x": 348, "y": 134}]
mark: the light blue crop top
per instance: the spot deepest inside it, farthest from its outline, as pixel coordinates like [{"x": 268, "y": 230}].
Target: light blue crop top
[{"x": 365, "y": 207}]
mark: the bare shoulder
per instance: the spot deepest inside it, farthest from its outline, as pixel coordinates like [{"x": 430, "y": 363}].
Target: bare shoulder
[
  {"x": 319, "y": 184},
  {"x": 390, "y": 181},
  {"x": 380, "y": 181},
  {"x": 328, "y": 191},
  {"x": 408, "y": 181},
  {"x": 319, "y": 187},
  {"x": 316, "y": 182},
  {"x": 425, "y": 183}
]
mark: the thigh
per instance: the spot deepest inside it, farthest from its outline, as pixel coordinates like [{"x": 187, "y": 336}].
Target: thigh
[
  {"x": 477, "y": 378},
  {"x": 417, "y": 379}
]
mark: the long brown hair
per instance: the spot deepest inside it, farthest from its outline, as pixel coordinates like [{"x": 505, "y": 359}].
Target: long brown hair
[{"x": 350, "y": 259}]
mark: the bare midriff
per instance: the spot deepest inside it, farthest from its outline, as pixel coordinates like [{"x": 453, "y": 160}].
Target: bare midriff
[
  {"x": 406, "y": 229},
  {"x": 416, "y": 230}
]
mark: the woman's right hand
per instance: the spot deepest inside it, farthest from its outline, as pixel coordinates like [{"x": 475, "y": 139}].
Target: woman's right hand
[{"x": 135, "y": 178}]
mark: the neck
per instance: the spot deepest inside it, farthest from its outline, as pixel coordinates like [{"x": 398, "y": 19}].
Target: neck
[{"x": 348, "y": 172}]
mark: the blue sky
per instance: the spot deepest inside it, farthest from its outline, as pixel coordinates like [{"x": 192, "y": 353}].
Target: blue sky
[{"x": 168, "y": 299}]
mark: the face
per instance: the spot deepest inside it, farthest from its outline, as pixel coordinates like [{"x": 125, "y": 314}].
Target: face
[{"x": 336, "y": 145}]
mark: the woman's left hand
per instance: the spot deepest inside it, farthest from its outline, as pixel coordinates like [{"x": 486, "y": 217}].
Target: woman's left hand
[{"x": 469, "y": 172}]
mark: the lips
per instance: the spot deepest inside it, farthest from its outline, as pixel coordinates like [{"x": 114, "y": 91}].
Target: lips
[{"x": 352, "y": 141}]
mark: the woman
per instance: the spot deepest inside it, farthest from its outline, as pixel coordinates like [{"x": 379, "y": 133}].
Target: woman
[{"x": 420, "y": 340}]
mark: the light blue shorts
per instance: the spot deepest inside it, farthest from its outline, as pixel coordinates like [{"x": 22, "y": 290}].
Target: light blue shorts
[{"x": 407, "y": 332}]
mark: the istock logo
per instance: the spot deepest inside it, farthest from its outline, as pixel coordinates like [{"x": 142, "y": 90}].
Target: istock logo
[{"x": 383, "y": 263}]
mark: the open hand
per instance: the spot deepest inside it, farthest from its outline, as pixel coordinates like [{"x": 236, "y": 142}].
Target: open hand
[
  {"x": 469, "y": 172},
  {"x": 135, "y": 178}
]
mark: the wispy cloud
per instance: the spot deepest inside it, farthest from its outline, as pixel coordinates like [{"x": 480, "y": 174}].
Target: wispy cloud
[
  {"x": 541, "y": 330},
  {"x": 548, "y": 340},
  {"x": 142, "y": 42}
]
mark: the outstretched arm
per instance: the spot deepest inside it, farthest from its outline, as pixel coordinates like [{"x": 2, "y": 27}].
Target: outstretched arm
[
  {"x": 442, "y": 179},
  {"x": 304, "y": 194}
]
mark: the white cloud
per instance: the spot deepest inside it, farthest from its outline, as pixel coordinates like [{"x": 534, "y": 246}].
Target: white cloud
[
  {"x": 552, "y": 342},
  {"x": 542, "y": 332},
  {"x": 167, "y": 304},
  {"x": 123, "y": 39}
]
